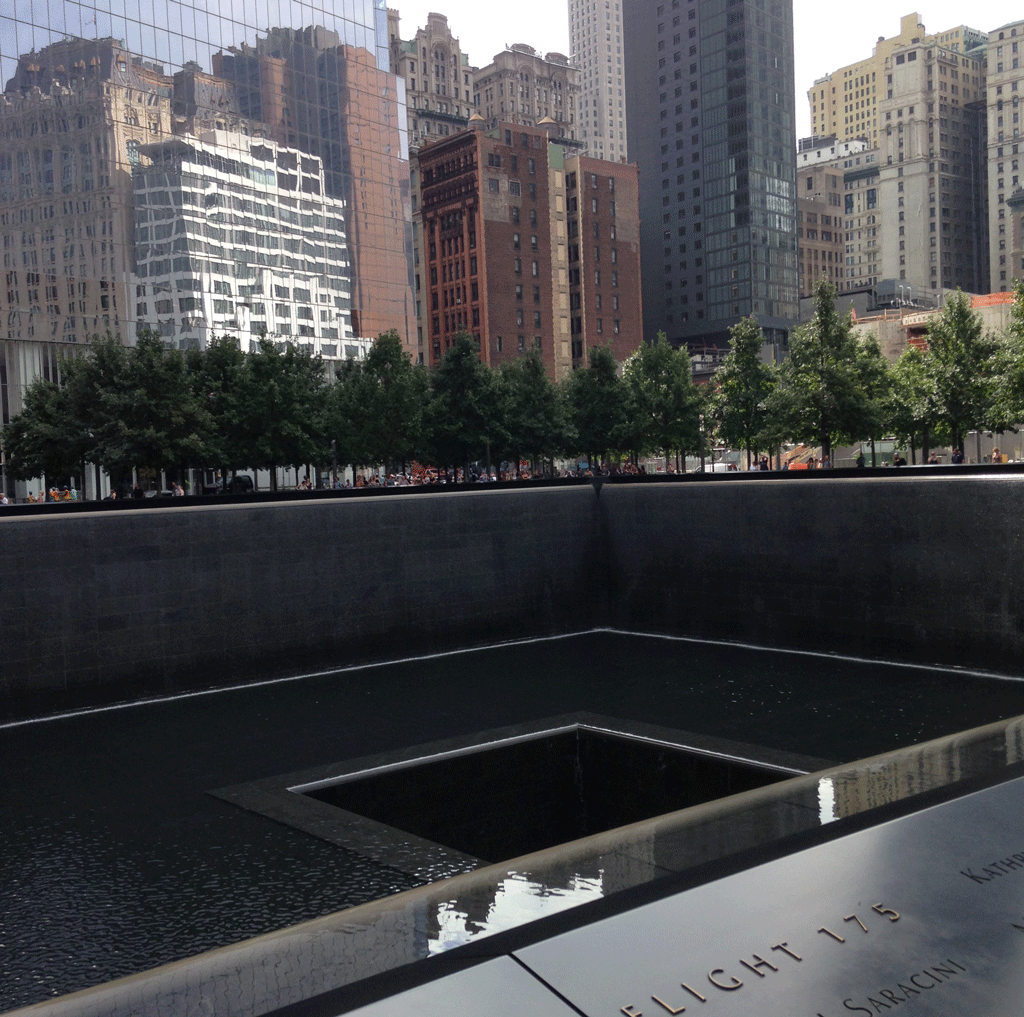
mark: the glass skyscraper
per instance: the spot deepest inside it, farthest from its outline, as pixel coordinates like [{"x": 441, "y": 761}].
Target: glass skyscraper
[
  {"x": 710, "y": 109},
  {"x": 93, "y": 94}
]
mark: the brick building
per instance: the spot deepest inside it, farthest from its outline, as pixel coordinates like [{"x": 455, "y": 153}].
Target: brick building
[
  {"x": 518, "y": 251},
  {"x": 604, "y": 256}
]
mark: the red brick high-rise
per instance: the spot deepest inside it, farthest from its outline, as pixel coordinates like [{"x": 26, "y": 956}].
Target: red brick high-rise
[
  {"x": 604, "y": 257},
  {"x": 498, "y": 259}
]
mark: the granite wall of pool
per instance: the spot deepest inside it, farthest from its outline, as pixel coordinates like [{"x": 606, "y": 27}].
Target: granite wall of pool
[{"x": 112, "y": 605}]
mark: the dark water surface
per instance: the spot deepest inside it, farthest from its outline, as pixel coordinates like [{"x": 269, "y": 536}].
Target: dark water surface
[{"x": 113, "y": 858}]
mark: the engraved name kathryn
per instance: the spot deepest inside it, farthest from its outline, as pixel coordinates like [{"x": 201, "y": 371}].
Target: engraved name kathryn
[{"x": 995, "y": 869}]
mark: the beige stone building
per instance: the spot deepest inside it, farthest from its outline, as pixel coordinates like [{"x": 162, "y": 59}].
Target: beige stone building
[
  {"x": 437, "y": 76},
  {"x": 519, "y": 86},
  {"x": 931, "y": 146},
  {"x": 820, "y": 177},
  {"x": 595, "y": 38},
  {"x": 845, "y": 102},
  {"x": 916, "y": 216},
  {"x": 1005, "y": 97},
  {"x": 72, "y": 122}
]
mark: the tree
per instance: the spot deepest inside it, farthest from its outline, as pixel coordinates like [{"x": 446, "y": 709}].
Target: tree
[
  {"x": 218, "y": 379},
  {"x": 662, "y": 405},
  {"x": 911, "y": 411},
  {"x": 44, "y": 439},
  {"x": 153, "y": 419},
  {"x": 875, "y": 378},
  {"x": 343, "y": 418},
  {"x": 534, "y": 417},
  {"x": 821, "y": 398},
  {"x": 597, "y": 404},
  {"x": 285, "y": 408},
  {"x": 962, "y": 368},
  {"x": 1008, "y": 401},
  {"x": 462, "y": 415},
  {"x": 389, "y": 397},
  {"x": 741, "y": 389}
]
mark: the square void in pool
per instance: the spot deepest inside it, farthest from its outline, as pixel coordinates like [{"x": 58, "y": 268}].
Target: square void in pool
[{"x": 507, "y": 793}]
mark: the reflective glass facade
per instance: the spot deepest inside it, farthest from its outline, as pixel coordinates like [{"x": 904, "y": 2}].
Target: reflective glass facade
[
  {"x": 282, "y": 139},
  {"x": 712, "y": 126}
]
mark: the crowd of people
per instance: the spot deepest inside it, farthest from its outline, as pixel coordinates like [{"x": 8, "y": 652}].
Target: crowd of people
[{"x": 53, "y": 494}]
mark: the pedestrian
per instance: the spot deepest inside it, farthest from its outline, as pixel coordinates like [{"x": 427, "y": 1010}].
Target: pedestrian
[
  {"x": 957, "y": 458},
  {"x": 861, "y": 462},
  {"x": 763, "y": 464},
  {"x": 997, "y": 456}
]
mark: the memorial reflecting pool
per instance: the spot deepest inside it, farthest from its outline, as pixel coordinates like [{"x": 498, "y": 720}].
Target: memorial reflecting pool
[{"x": 117, "y": 859}]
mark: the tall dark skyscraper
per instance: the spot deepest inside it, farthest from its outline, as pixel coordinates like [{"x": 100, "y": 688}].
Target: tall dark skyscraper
[{"x": 710, "y": 107}]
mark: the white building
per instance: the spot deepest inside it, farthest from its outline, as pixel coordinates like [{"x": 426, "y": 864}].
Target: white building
[
  {"x": 234, "y": 235},
  {"x": 814, "y": 151},
  {"x": 595, "y": 41}
]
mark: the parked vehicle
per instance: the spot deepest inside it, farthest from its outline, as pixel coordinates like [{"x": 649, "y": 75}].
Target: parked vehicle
[{"x": 241, "y": 483}]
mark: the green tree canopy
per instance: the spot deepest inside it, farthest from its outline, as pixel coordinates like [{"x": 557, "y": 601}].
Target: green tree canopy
[
  {"x": 285, "y": 409},
  {"x": 962, "y": 368},
  {"x": 821, "y": 397},
  {"x": 218, "y": 378},
  {"x": 44, "y": 439},
  {"x": 597, "y": 404},
  {"x": 389, "y": 399},
  {"x": 741, "y": 388},
  {"x": 462, "y": 416},
  {"x": 1009, "y": 391},
  {"x": 535, "y": 422},
  {"x": 662, "y": 406},
  {"x": 911, "y": 412}
]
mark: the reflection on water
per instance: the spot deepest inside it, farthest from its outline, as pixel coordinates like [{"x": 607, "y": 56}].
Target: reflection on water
[
  {"x": 517, "y": 900},
  {"x": 116, "y": 859},
  {"x": 826, "y": 801}
]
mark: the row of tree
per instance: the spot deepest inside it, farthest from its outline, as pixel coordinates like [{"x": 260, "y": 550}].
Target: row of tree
[{"x": 148, "y": 407}]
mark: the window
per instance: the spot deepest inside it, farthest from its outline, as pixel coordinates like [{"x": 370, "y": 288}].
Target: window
[{"x": 492, "y": 185}]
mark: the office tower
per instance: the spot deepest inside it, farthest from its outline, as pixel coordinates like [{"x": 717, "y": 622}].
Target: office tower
[
  {"x": 844, "y": 103},
  {"x": 709, "y": 102},
  {"x": 595, "y": 40},
  {"x": 1005, "y": 98},
  {"x": 524, "y": 247},
  {"x": 239, "y": 247},
  {"x": 519, "y": 86},
  {"x": 335, "y": 101},
  {"x": 437, "y": 76}
]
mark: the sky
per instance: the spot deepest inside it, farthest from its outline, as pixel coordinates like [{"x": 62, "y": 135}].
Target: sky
[{"x": 826, "y": 36}]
